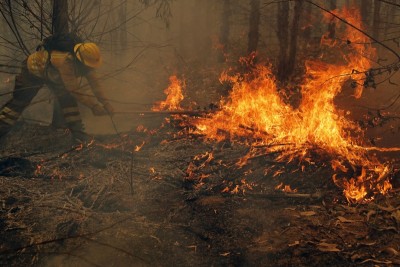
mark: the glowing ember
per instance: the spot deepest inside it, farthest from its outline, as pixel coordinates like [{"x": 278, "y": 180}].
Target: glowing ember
[
  {"x": 256, "y": 111},
  {"x": 139, "y": 147},
  {"x": 174, "y": 96},
  {"x": 285, "y": 188},
  {"x": 38, "y": 170}
]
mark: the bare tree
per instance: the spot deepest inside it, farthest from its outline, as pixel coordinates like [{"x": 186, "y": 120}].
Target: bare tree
[
  {"x": 307, "y": 32},
  {"x": 288, "y": 44},
  {"x": 254, "y": 25},
  {"x": 163, "y": 8},
  {"x": 283, "y": 37},
  {"x": 59, "y": 26},
  {"x": 365, "y": 7},
  {"x": 60, "y": 17},
  {"x": 293, "y": 37},
  {"x": 376, "y": 20}
]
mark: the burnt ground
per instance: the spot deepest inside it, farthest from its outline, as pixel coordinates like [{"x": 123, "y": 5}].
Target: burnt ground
[{"x": 102, "y": 205}]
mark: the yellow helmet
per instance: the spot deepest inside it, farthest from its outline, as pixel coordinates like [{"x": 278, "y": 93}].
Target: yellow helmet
[{"x": 88, "y": 54}]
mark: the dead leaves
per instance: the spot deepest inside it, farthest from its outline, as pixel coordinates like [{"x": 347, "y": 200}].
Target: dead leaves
[
  {"x": 344, "y": 220},
  {"x": 363, "y": 234},
  {"x": 328, "y": 247},
  {"x": 307, "y": 213},
  {"x": 396, "y": 216}
]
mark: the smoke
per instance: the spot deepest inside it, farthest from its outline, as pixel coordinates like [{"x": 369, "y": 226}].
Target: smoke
[{"x": 202, "y": 39}]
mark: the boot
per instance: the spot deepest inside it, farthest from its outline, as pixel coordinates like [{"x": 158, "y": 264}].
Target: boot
[{"x": 78, "y": 133}]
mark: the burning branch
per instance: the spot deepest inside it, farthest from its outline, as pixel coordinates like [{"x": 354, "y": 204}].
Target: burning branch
[{"x": 174, "y": 96}]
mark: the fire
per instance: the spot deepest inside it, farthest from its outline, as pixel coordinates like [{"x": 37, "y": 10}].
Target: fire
[
  {"x": 139, "y": 147},
  {"x": 38, "y": 170},
  {"x": 174, "y": 95},
  {"x": 238, "y": 188},
  {"x": 256, "y": 111},
  {"x": 285, "y": 188}
]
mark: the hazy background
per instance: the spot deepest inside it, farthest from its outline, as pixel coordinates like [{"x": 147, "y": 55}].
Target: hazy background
[{"x": 144, "y": 42}]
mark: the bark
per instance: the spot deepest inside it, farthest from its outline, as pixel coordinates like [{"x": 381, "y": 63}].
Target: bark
[
  {"x": 365, "y": 8},
  {"x": 293, "y": 39},
  {"x": 60, "y": 17},
  {"x": 308, "y": 30},
  {"x": 332, "y": 23},
  {"x": 254, "y": 34},
  {"x": 283, "y": 37},
  {"x": 59, "y": 26},
  {"x": 376, "y": 22},
  {"x": 391, "y": 15},
  {"x": 225, "y": 30}
]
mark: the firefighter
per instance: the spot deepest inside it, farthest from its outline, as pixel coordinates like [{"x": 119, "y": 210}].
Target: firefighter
[{"x": 60, "y": 71}]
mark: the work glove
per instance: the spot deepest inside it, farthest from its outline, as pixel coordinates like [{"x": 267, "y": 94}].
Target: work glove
[
  {"x": 109, "y": 108},
  {"x": 99, "y": 110}
]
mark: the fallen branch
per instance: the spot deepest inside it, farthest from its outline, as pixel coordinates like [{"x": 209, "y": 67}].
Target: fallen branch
[
  {"x": 56, "y": 240},
  {"x": 316, "y": 195},
  {"x": 164, "y": 112}
]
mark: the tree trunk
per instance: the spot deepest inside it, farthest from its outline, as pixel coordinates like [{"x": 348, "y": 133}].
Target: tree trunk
[
  {"x": 332, "y": 23},
  {"x": 254, "y": 34},
  {"x": 293, "y": 39},
  {"x": 307, "y": 32},
  {"x": 365, "y": 8},
  {"x": 376, "y": 22},
  {"x": 391, "y": 15},
  {"x": 60, "y": 17},
  {"x": 59, "y": 26},
  {"x": 224, "y": 30},
  {"x": 283, "y": 37}
]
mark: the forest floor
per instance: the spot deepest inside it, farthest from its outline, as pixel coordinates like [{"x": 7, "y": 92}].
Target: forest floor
[{"x": 170, "y": 204}]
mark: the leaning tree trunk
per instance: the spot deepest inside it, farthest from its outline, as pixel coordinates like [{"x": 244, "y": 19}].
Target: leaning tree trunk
[
  {"x": 224, "y": 30},
  {"x": 59, "y": 26},
  {"x": 283, "y": 37},
  {"x": 254, "y": 34}
]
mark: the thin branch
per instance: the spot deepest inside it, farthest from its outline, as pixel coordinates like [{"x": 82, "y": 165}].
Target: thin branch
[
  {"x": 8, "y": 251},
  {"x": 354, "y": 27},
  {"x": 389, "y": 3},
  {"x": 17, "y": 34}
]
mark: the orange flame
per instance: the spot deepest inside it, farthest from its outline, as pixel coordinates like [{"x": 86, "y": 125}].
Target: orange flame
[
  {"x": 285, "y": 188},
  {"x": 139, "y": 147},
  {"x": 256, "y": 111},
  {"x": 174, "y": 96}
]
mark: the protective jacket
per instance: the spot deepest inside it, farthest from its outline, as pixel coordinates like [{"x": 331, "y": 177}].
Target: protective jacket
[
  {"x": 61, "y": 72},
  {"x": 61, "y": 68}
]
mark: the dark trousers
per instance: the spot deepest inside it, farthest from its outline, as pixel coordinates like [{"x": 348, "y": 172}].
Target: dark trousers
[{"x": 26, "y": 87}]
